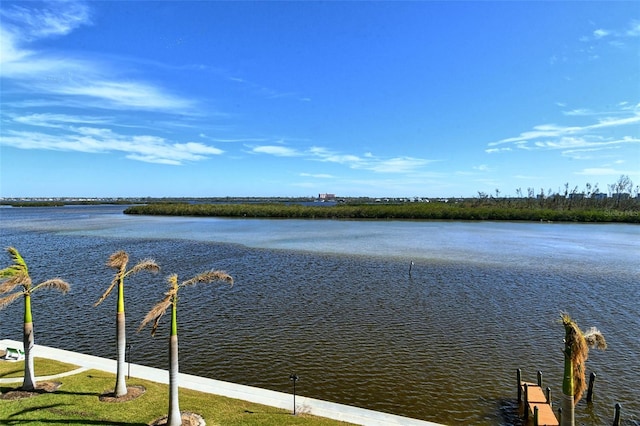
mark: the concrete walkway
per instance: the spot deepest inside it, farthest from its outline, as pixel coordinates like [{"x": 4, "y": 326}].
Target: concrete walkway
[{"x": 316, "y": 407}]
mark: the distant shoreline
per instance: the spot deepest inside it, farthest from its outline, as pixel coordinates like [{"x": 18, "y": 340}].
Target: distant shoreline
[{"x": 394, "y": 211}]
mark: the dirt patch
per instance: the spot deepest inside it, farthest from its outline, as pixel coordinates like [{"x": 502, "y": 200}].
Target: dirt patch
[
  {"x": 42, "y": 387},
  {"x": 188, "y": 419},
  {"x": 133, "y": 392}
]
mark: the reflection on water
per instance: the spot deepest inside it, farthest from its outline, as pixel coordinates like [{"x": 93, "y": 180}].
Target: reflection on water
[{"x": 334, "y": 302}]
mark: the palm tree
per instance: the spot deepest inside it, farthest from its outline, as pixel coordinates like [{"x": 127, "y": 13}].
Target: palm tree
[
  {"x": 16, "y": 276},
  {"x": 171, "y": 299},
  {"x": 119, "y": 261},
  {"x": 576, "y": 352}
]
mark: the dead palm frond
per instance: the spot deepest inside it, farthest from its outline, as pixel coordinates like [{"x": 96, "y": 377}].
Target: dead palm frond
[
  {"x": 118, "y": 259},
  {"x": 157, "y": 312},
  {"x": 148, "y": 265},
  {"x": 207, "y": 277},
  {"x": 114, "y": 282},
  {"x": 171, "y": 296},
  {"x": 577, "y": 348},
  {"x": 15, "y": 281},
  {"x": 595, "y": 339},
  {"x": 56, "y": 284},
  {"x": 7, "y": 300}
]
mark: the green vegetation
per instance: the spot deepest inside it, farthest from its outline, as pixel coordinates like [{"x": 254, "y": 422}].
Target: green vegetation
[
  {"x": 508, "y": 210},
  {"x": 76, "y": 402},
  {"x": 16, "y": 283},
  {"x": 43, "y": 367}
]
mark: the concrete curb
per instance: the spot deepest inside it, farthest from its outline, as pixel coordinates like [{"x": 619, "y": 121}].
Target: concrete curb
[{"x": 316, "y": 407}]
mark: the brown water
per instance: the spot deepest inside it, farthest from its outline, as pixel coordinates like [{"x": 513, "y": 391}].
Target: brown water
[{"x": 334, "y": 302}]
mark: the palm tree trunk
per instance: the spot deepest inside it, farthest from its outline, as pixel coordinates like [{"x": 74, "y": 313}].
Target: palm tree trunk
[
  {"x": 121, "y": 343},
  {"x": 175, "y": 419},
  {"x": 29, "y": 382},
  {"x": 568, "y": 411},
  {"x": 174, "y": 407}
]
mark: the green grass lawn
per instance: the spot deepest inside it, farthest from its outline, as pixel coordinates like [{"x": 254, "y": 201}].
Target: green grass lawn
[{"x": 76, "y": 403}]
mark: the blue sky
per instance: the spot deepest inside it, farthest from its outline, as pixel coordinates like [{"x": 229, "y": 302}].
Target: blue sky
[{"x": 394, "y": 99}]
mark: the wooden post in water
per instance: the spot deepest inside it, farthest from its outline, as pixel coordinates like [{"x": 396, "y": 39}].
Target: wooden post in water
[
  {"x": 592, "y": 379},
  {"x": 616, "y": 416},
  {"x": 535, "y": 416},
  {"x": 548, "y": 394},
  {"x": 540, "y": 378},
  {"x": 519, "y": 376},
  {"x": 526, "y": 401},
  {"x": 560, "y": 415}
]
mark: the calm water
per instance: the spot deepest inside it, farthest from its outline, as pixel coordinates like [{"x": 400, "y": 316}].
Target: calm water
[{"x": 334, "y": 302}]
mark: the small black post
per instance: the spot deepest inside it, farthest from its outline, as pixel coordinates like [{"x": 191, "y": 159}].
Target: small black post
[
  {"x": 294, "y": 378},
  {"x": 539, "y": 378},
  {"x": 535, "y": 416},
  {"x": 616, "y": 416},
  {"x": 410, "y": 266},
  {"x": 560, "y": 415},
  {"x": 526, "y": 401},
  {"x": 519, "y": 376},
  {"x": 592, "y": 379},
  {"x": 129, "y": 361},
  {"x": 548, "y": 394}
]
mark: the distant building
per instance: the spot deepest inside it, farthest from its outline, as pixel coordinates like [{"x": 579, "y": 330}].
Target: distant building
[{"x": 327, "y": 197}]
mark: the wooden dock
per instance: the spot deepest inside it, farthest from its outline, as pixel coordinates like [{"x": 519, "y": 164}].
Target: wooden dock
[{"x": 535, "y": 403}]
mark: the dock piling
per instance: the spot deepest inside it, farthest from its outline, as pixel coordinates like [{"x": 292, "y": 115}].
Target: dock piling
[
  {"x": 616, "y": 416},
  {"x": 592, "y": 379}
]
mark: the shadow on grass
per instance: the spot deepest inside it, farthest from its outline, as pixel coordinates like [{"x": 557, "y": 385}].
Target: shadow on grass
[
  {"x": 13, "y": 374},
  {"x": 58, "y": 410}
]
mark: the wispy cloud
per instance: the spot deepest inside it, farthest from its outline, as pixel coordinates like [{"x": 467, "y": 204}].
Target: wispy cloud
[
  {"x": 52, "y": 74},
  {"x": 278, "y": 151},
  {"x": 614, "y": 37},
  {"x": 91, "y": 139},
  {"x": 570, "y": 139},
  {"x": 366, "y": 161},
  {"x": 317, "y": 175}
]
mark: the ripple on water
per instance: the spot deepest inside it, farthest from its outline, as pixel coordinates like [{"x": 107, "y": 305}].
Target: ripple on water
[{"x": 442, "y": 344}]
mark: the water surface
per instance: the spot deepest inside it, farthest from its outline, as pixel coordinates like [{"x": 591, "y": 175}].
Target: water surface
[{"x": 334, "y": 302}]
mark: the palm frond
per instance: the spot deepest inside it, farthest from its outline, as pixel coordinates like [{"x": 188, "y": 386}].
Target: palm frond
[
  {"x": 207, "y": 277},
  {"x": 118, "y": 259},
  {"x": 156, "y": 313},
  {"x": 7, "y": 300},
  {"x": 148, "y": 265},
  {"x": 579, "y": 352},
  {"x": 10, "y": 271},
  {"x": 19, "y": 265},
  {"x": 595, "y": 339},
  {"x": 13, "y": 282},
  {"x": 106, "y": 294},
  {"x": 56, "y": 284}
]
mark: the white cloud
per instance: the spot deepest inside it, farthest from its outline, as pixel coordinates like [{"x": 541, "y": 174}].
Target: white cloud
[
  {"x": 599, "y": 33},
  {"x": 53, "y": 19},
  {"x": 602, "y": 171},
  {"x": 130, "y": 95},
  {"x": 317, "y": 175},
  {"x": 634, "y": 29},
  {"x": 278, "y": 151},
  {"x": 88, "y": 83},
  {"x": 554, "y": 136},
  {"x": 91, "y": 139}
]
